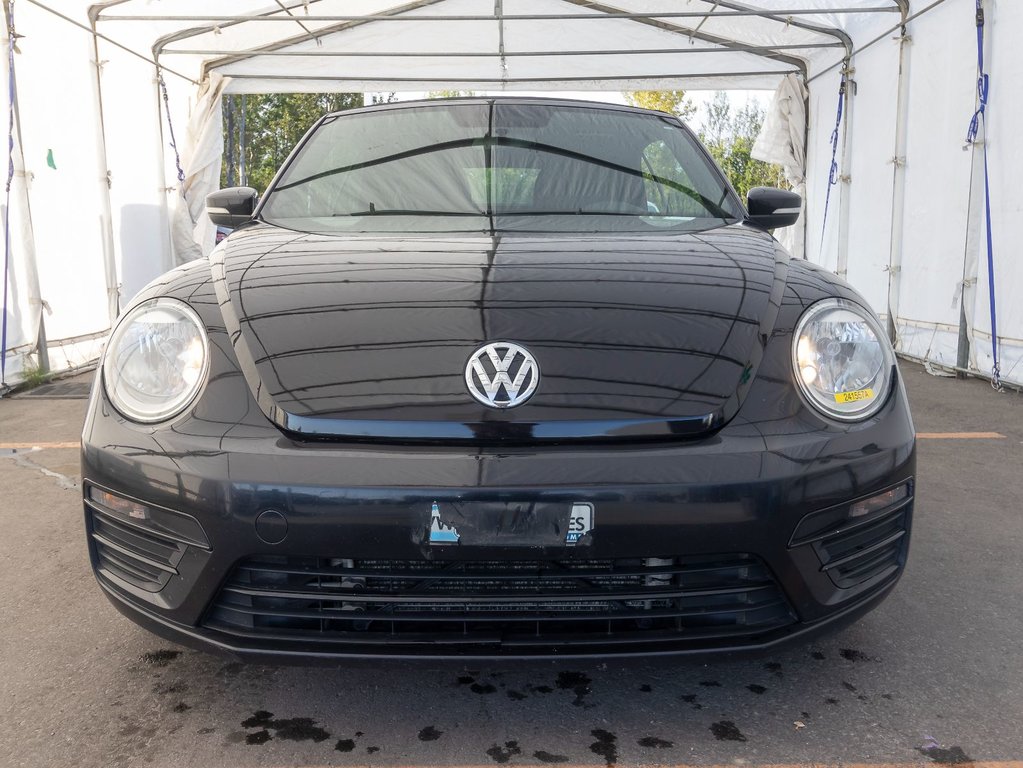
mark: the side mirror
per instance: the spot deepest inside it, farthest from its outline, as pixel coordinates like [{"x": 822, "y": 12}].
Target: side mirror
[
  {"x": 773, "y": 208},
  {"x": 231, "y": 207}
]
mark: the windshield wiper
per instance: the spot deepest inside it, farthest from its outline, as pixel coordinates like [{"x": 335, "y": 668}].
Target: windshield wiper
[{"x": 374, "y": 211}]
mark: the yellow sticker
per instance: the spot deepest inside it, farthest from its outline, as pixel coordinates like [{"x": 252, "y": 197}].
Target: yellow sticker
[{"x": 853, "y": 397}]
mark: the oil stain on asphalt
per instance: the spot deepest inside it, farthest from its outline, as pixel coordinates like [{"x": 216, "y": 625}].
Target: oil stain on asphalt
[
  {"x": 578, "y": 683},
  {"x": 950, "y": 756},
  {"x": 851, "y": 654},
  {"x": 652, "y": 742},
  {"x": 286, "y": 729},
  {"x": 503, "y": 754},
  {"x": 726, "y": 730},
  {"x": 605, "y": 745},
  {"x": 548, "y": 757},
  {"x": 430, "y": 733}
]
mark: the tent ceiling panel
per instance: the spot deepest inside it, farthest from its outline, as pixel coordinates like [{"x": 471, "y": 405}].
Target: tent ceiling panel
[
  {"x": 482, "y": 43},
  {"x": 556, "y": 44}
]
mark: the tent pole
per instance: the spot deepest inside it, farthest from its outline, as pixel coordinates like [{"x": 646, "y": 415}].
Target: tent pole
[
  {"x": 844, "y": 176},
  {"x": 167, "y": 250},
  {"x": 35, "y": 297},
  {"x": 805, "y": 223},
  {"x": 242, "y": 177},
  {"x": 107, "y": 223},
  {"x": 898, "y": 162},
  {"x": 229, "y": 141}
]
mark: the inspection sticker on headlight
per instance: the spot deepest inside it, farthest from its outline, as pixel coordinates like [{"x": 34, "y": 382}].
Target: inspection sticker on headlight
[
  {"x": 854, "y": 397},
  {"x": 580, "y": 522}
]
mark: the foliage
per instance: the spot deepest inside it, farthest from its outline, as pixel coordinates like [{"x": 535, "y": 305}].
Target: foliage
[
  {"x": 32, "y": 374},
  {"x": 449, "y": 94},
  {"x": 274, "y": 123},
  {"x": 672, "y": 102},
  {"x": 730, "y": 135}
]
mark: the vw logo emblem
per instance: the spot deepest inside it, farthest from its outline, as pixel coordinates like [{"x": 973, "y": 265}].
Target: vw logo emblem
[{"x": 502, "y": 374}]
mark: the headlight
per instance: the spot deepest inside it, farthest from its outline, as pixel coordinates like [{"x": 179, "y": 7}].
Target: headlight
[
  {"x": 156, "y": 360},
  {"x": 842, "y": 359}
]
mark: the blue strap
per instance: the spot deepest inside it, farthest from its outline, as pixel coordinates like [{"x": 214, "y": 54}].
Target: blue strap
[
  {"x": 11, "y": 38},
  {"x": 170, "y": 128},
  {"x": 833, "y": 173},
  {"x": 980, "y": 117}
]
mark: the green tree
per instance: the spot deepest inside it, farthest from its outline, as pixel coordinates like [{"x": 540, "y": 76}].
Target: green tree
[
  {"x": 672, "y": 102},
  {"x": 273, "y": 125},
  {"x": 449, "y": 94},
  {"x": 729, "y": 136}
]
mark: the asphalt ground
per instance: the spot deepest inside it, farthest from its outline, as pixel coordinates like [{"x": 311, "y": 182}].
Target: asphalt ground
[{"x": 933, "y": 675}]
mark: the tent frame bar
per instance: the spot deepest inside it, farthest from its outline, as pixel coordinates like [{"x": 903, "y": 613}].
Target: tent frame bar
[
  {"x": 509, "y": 80},
  {"x": 604, "y": 12},
  {"x": 781, "y": 16},
  {"x": 161, "y": 43},
  {"x": 110, "y": 40},
  {"x": 884, "y": 35},
  {"x": 706, "y": 37},
  {"x": 490, "y": 54}
]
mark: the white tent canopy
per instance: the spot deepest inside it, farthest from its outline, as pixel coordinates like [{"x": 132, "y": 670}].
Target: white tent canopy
[{"x": 117, "y": 132}]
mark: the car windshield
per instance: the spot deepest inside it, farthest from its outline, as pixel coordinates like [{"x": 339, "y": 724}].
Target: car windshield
[{"x": 483, "y": 166}]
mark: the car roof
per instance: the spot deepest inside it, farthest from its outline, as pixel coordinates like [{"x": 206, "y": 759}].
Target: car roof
[{"x": 535, "y": 100}]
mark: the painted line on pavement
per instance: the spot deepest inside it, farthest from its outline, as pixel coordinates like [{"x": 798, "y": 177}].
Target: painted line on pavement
[{"x": 37, "y": 446}]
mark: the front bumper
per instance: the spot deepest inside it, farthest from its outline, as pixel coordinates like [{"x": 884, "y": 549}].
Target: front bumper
[{"x": 356, "y": 518}]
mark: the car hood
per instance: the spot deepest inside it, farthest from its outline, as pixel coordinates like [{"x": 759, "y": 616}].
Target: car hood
[{"x": 368, "y": 337}]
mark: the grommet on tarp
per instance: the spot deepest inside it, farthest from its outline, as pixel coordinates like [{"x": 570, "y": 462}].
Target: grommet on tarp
[{"x": 978, "y": 120}]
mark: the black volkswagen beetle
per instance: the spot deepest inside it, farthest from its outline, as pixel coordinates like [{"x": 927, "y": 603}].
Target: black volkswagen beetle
[{"x": 497, "y": 377}]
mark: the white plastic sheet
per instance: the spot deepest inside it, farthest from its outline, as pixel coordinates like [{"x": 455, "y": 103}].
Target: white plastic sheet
[
  {"x": 193, "y": 233},
  {"x": 782, "y": 141}
]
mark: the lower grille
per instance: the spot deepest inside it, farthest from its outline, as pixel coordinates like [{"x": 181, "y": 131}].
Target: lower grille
[
  {"x": 519, "y": 606},
  {"x": 140, "y": 557},
  {"x": 875, "y": 550}
]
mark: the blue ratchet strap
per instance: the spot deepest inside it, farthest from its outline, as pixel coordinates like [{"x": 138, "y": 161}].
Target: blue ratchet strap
[
  {"x": 979, "y": 117},
  {"x": 833, "y": 173},
  {"x": 11, "y": 38}
]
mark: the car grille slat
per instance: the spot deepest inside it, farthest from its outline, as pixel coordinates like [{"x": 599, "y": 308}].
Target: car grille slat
[
  {"x": 859, "y": 553},
  {"x": 419, "y": 597},
  {"x": 471, "y": 616},
  {"x": 576, "y": 573},
  {"x": 142, "y": 558},
  {"x": 522, "y": 604}
]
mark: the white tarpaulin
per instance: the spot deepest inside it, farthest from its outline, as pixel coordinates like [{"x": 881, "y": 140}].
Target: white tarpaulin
[
  {"x": 97, "y": 208},
  {"x": 192, "y": 231},
  {"x": 782, "y": 141}
]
